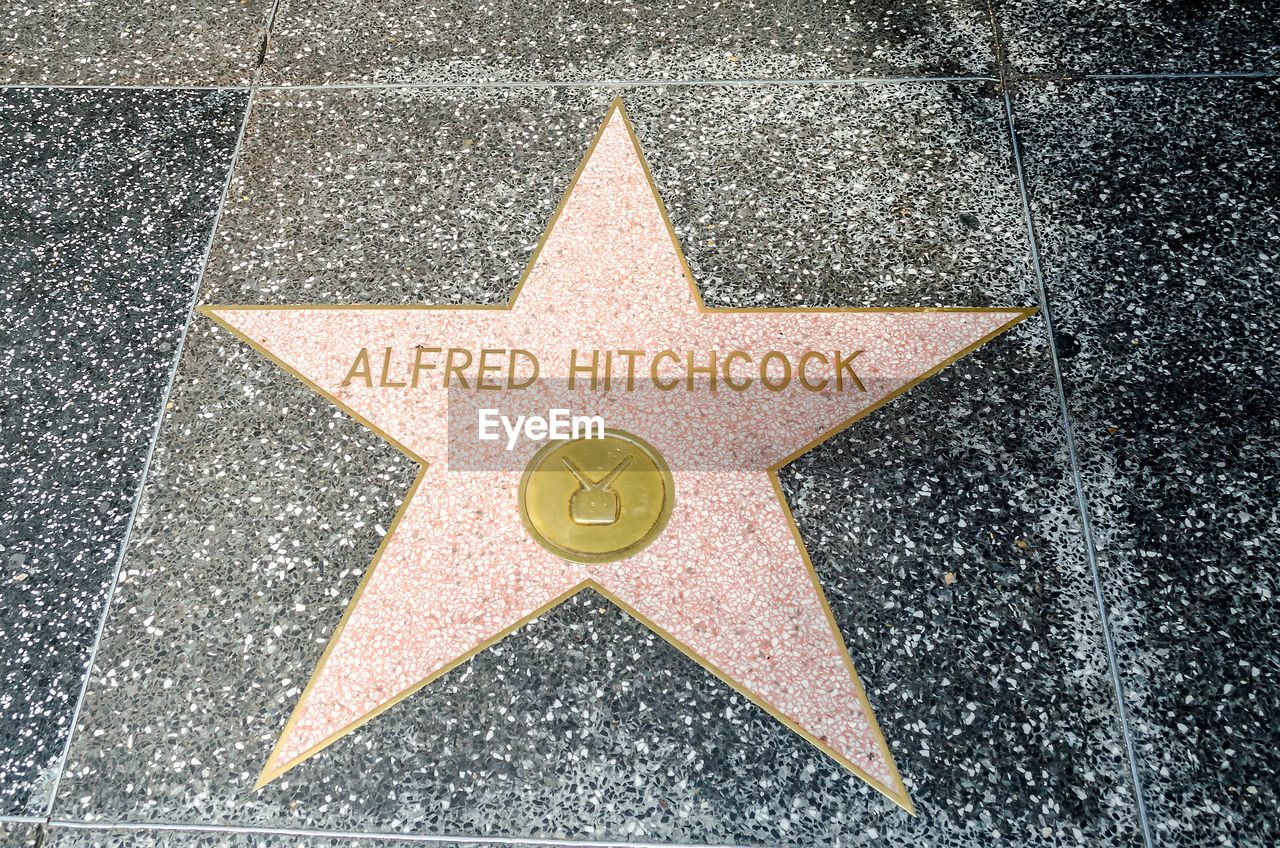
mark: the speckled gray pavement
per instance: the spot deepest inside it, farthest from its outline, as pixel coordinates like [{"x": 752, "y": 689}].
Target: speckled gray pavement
[
  {"x": 107, "y": 201},
  {"x": 1165, "y": 294},
  {"x": 1055, "y": 563}
]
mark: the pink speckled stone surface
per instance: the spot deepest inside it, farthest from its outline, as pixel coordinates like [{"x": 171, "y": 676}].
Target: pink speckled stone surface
[{"x": 727, "y": 580}]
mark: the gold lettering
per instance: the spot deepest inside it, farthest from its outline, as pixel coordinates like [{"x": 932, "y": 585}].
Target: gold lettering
[
  {"x": 451, "y": 370},
  {"x": 728, "y": 379},
  {"x": 653, "y": 371},
  {"x": 709, "y": 370},
  {"x": 764, "y": 371},
  {"x": 631, "y": 366},
  {"x": 357, "y": 371},
  {"x": 481, "y": 368},
  {"x": 842, "y": 365},
  {"x": 419, "y": 366},
  {"x": 574, "y": 367},
  {"x": 386, "y": 365},
  {"x": 511, "y": 373},
  {"x": 804, "y": 379}
]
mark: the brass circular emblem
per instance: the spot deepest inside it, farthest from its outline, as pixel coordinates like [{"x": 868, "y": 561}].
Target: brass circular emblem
[{"x": 596, "y": 500}]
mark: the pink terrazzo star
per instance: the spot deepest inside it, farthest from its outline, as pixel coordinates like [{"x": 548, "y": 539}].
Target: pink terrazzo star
[{"x": 728, "y": 580}]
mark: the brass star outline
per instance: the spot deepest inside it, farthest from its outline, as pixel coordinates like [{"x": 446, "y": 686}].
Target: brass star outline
[{"x": 268, "y": 774}]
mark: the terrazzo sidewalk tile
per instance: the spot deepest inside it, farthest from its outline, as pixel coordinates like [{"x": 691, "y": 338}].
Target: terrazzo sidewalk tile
[
  {"x": 585, "y": 724},
  {"x": 108, "y": 200},
  {"x": 1156, "y": 208},
  {"x": 21, "y": 835},
  {"x": 398, "y": 41},
  {"x": 69, "y": 837},
  {"x": 119, "y": 42},
  {"x": 1139, "y": 36},
  {"x": 882, "y": 195},
  {"x": 951, "y": 509}
]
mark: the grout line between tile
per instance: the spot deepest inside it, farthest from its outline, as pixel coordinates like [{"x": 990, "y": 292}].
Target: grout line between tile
[
  {"x": 254, "y": 87},
  {"x": 77, "y": 85},
  {"x": 373, "y": 835},
  {"x": 997, "y": 37},
  {"x": 146, "y": 464},
  {"x": 1000, "y": 78},
  {"x": 1019, "y": 78},
  {"x": 640, "y": 83},
  {"x": 1082, "y": 501},
  {"x": 614, "y": 83},
  {"x": 1173, "y": 76},
  {"x": 266, "y": 42}
]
